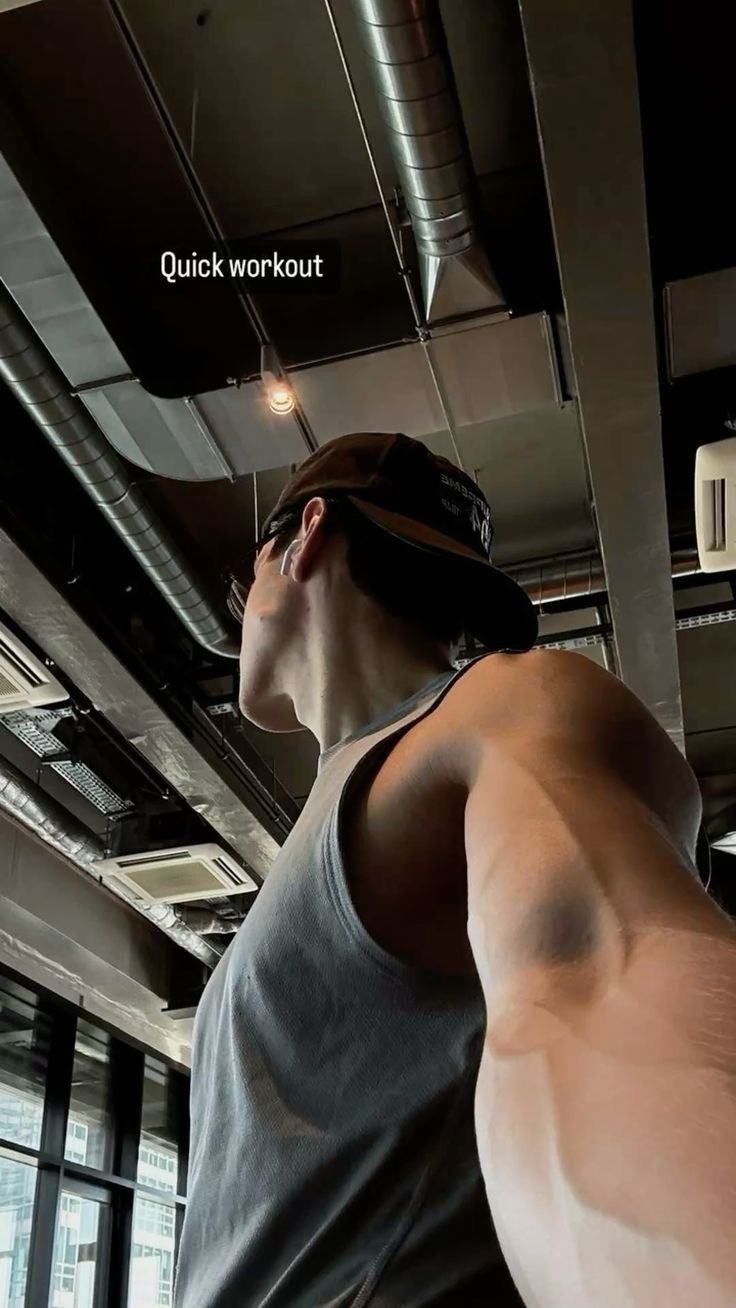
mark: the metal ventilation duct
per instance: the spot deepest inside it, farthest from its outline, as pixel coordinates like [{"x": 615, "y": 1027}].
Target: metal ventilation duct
[
  {"x": 571, "y": 576},
  {"x": 42, "y": 390},
  {"x": 47, "y": 820},
  {"x": 488, "y": 370},
  {"x": 406, "y": 45}
]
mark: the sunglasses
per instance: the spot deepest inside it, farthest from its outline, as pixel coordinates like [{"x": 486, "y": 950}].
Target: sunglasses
[
  {"x": 239, "y": 585},
  {"x": 241, "y": 581}
]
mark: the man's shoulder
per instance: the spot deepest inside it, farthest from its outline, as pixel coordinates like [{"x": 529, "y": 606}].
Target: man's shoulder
[
  {"x": 556, "y": 701},
  {"x": 537, "y": 686},
  {"x": 555, "y": 712}
]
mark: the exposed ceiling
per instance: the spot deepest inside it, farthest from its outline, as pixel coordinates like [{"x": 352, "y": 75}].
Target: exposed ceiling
[
  {"x": 596, "y": 134},
  {"x": 299, "y": 155}
]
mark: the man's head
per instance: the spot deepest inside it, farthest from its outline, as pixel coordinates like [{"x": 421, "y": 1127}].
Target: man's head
[{"x": 375, "y": 524}]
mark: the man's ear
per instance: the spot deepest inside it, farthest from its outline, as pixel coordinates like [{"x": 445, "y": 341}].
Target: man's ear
[
  {"x": 311, "y": 537},
  {"x": 314, "y": 514}
]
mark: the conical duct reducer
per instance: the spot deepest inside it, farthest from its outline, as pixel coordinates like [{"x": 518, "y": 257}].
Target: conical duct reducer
[{"x": 405, "y": 44}]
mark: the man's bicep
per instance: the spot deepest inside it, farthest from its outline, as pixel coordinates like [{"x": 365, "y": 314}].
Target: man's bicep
[
  {"x": 538, "y": 919},
  {"x": 567, "y": 867},
  {"x": 604, "y": 1105}
]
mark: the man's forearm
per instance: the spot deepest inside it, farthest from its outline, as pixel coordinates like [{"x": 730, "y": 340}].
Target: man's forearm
[{"x": 609, "y": 1151}]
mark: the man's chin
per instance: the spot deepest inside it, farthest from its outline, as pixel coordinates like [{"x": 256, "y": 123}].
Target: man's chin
[{"x": 273, "y": 714}]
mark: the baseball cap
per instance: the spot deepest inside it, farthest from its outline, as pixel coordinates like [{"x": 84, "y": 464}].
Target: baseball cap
[{"x": 422, "y": 499}]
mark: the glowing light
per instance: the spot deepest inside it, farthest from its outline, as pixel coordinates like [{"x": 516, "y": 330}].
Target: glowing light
[
  {"x": 280, "y": 398},
  {"x": 279, "y": 394}
]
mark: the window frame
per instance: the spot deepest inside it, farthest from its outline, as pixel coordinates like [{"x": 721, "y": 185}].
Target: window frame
[{"x": 116, "y": 1187}]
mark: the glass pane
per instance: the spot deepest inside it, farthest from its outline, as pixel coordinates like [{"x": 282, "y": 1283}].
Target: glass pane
[
  {"x": 24, "y": 1052},
  {"x": 89, "y": 1128},
  {"x": 152, "y": 1258},
  {"x": 77, "y": 1252},
  {"x": 17, "y": 1190},
  {"x": 158, "y": 1152}
]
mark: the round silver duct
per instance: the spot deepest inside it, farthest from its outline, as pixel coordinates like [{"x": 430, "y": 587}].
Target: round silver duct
[
  {"x": 405, "y": 42},
  {"x": 570, "y": 576},
  {"x": 42, "y": 390}
]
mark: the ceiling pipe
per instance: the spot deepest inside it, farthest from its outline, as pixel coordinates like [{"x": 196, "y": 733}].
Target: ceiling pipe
[
  {"x": 406, "y": 46},
  {"x": 41, "y": 388},
  {"x": 570, "y": 576},
  {"x": 47, "y": 820}
]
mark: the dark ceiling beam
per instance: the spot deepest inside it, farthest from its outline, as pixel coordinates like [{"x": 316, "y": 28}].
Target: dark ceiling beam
[{"x": 584, "y": 80}]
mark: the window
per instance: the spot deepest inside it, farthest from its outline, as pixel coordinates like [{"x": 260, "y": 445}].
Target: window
[
  {"x": 92, "y": 1161},
  {"x": 89, "y": 1131},
  {"x": 17, "y": 1192},
  {"x": 158, "y": 1156},
  {"x": 79, "y": 1250},
  {"x": 24, "y": 1051},
  {"x": 152, "y": 1262}
]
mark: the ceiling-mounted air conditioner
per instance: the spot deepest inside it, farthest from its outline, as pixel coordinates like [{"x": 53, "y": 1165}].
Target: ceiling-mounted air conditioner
[
  {"x": 174, "y": 876},
  {"x": 24, "y": 681},
  {"x": 715, "y": 505}
]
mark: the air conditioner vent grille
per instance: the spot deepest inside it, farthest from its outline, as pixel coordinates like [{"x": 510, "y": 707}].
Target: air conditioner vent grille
[
  {"x": 7, "y": 687},
  {"x": 171, "y": 881},
  {"x": 175, "y": 876},
  {"x": 150, "y": 860},
  {"x": 13, "y": 656},
  {"x": 226, "y": 871},
  {"x": 24, "y": 681},
  {"x": 715, "y": 505}
]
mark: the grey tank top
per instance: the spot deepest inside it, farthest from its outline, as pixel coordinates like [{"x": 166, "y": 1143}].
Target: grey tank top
[{"x": 333, "y": 1161}]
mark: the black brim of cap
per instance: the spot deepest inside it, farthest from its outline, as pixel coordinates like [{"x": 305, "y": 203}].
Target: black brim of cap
[{"x": 500, "y": 614}]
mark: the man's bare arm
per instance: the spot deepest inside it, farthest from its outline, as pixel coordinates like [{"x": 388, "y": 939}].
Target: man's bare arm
[{"x": 606, "y": 1103}]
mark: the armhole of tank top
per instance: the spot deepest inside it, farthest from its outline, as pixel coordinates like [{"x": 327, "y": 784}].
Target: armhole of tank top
[{"x": 336, "y": 871}]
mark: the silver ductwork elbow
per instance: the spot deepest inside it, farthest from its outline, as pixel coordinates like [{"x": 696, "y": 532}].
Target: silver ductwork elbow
[
  {"x": 405, "y": 42},
  {"x": 40, "y": 387}
]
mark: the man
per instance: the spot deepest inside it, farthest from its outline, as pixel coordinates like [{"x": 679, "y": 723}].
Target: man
[{"x": 482, "y": 1002}]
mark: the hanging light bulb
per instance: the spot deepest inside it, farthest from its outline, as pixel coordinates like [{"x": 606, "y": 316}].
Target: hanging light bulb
[{"x": 280, "y": 396}]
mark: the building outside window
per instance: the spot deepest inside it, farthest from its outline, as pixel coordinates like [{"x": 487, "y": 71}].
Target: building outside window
[
  {"x": 152, "y": 1280},
  {"x": 97, "y": 1225},
  {"x": 17, "y": 1192},
  {"x": 76, "y": 1252}
]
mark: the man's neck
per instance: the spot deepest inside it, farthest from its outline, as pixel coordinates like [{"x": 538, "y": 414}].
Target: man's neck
[{"x": 359, "y": 670}]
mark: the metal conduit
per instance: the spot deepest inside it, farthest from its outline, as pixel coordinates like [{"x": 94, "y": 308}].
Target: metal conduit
[
  {"x": 41, "y": 388},
  {"x": 47, "y": 820}
]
